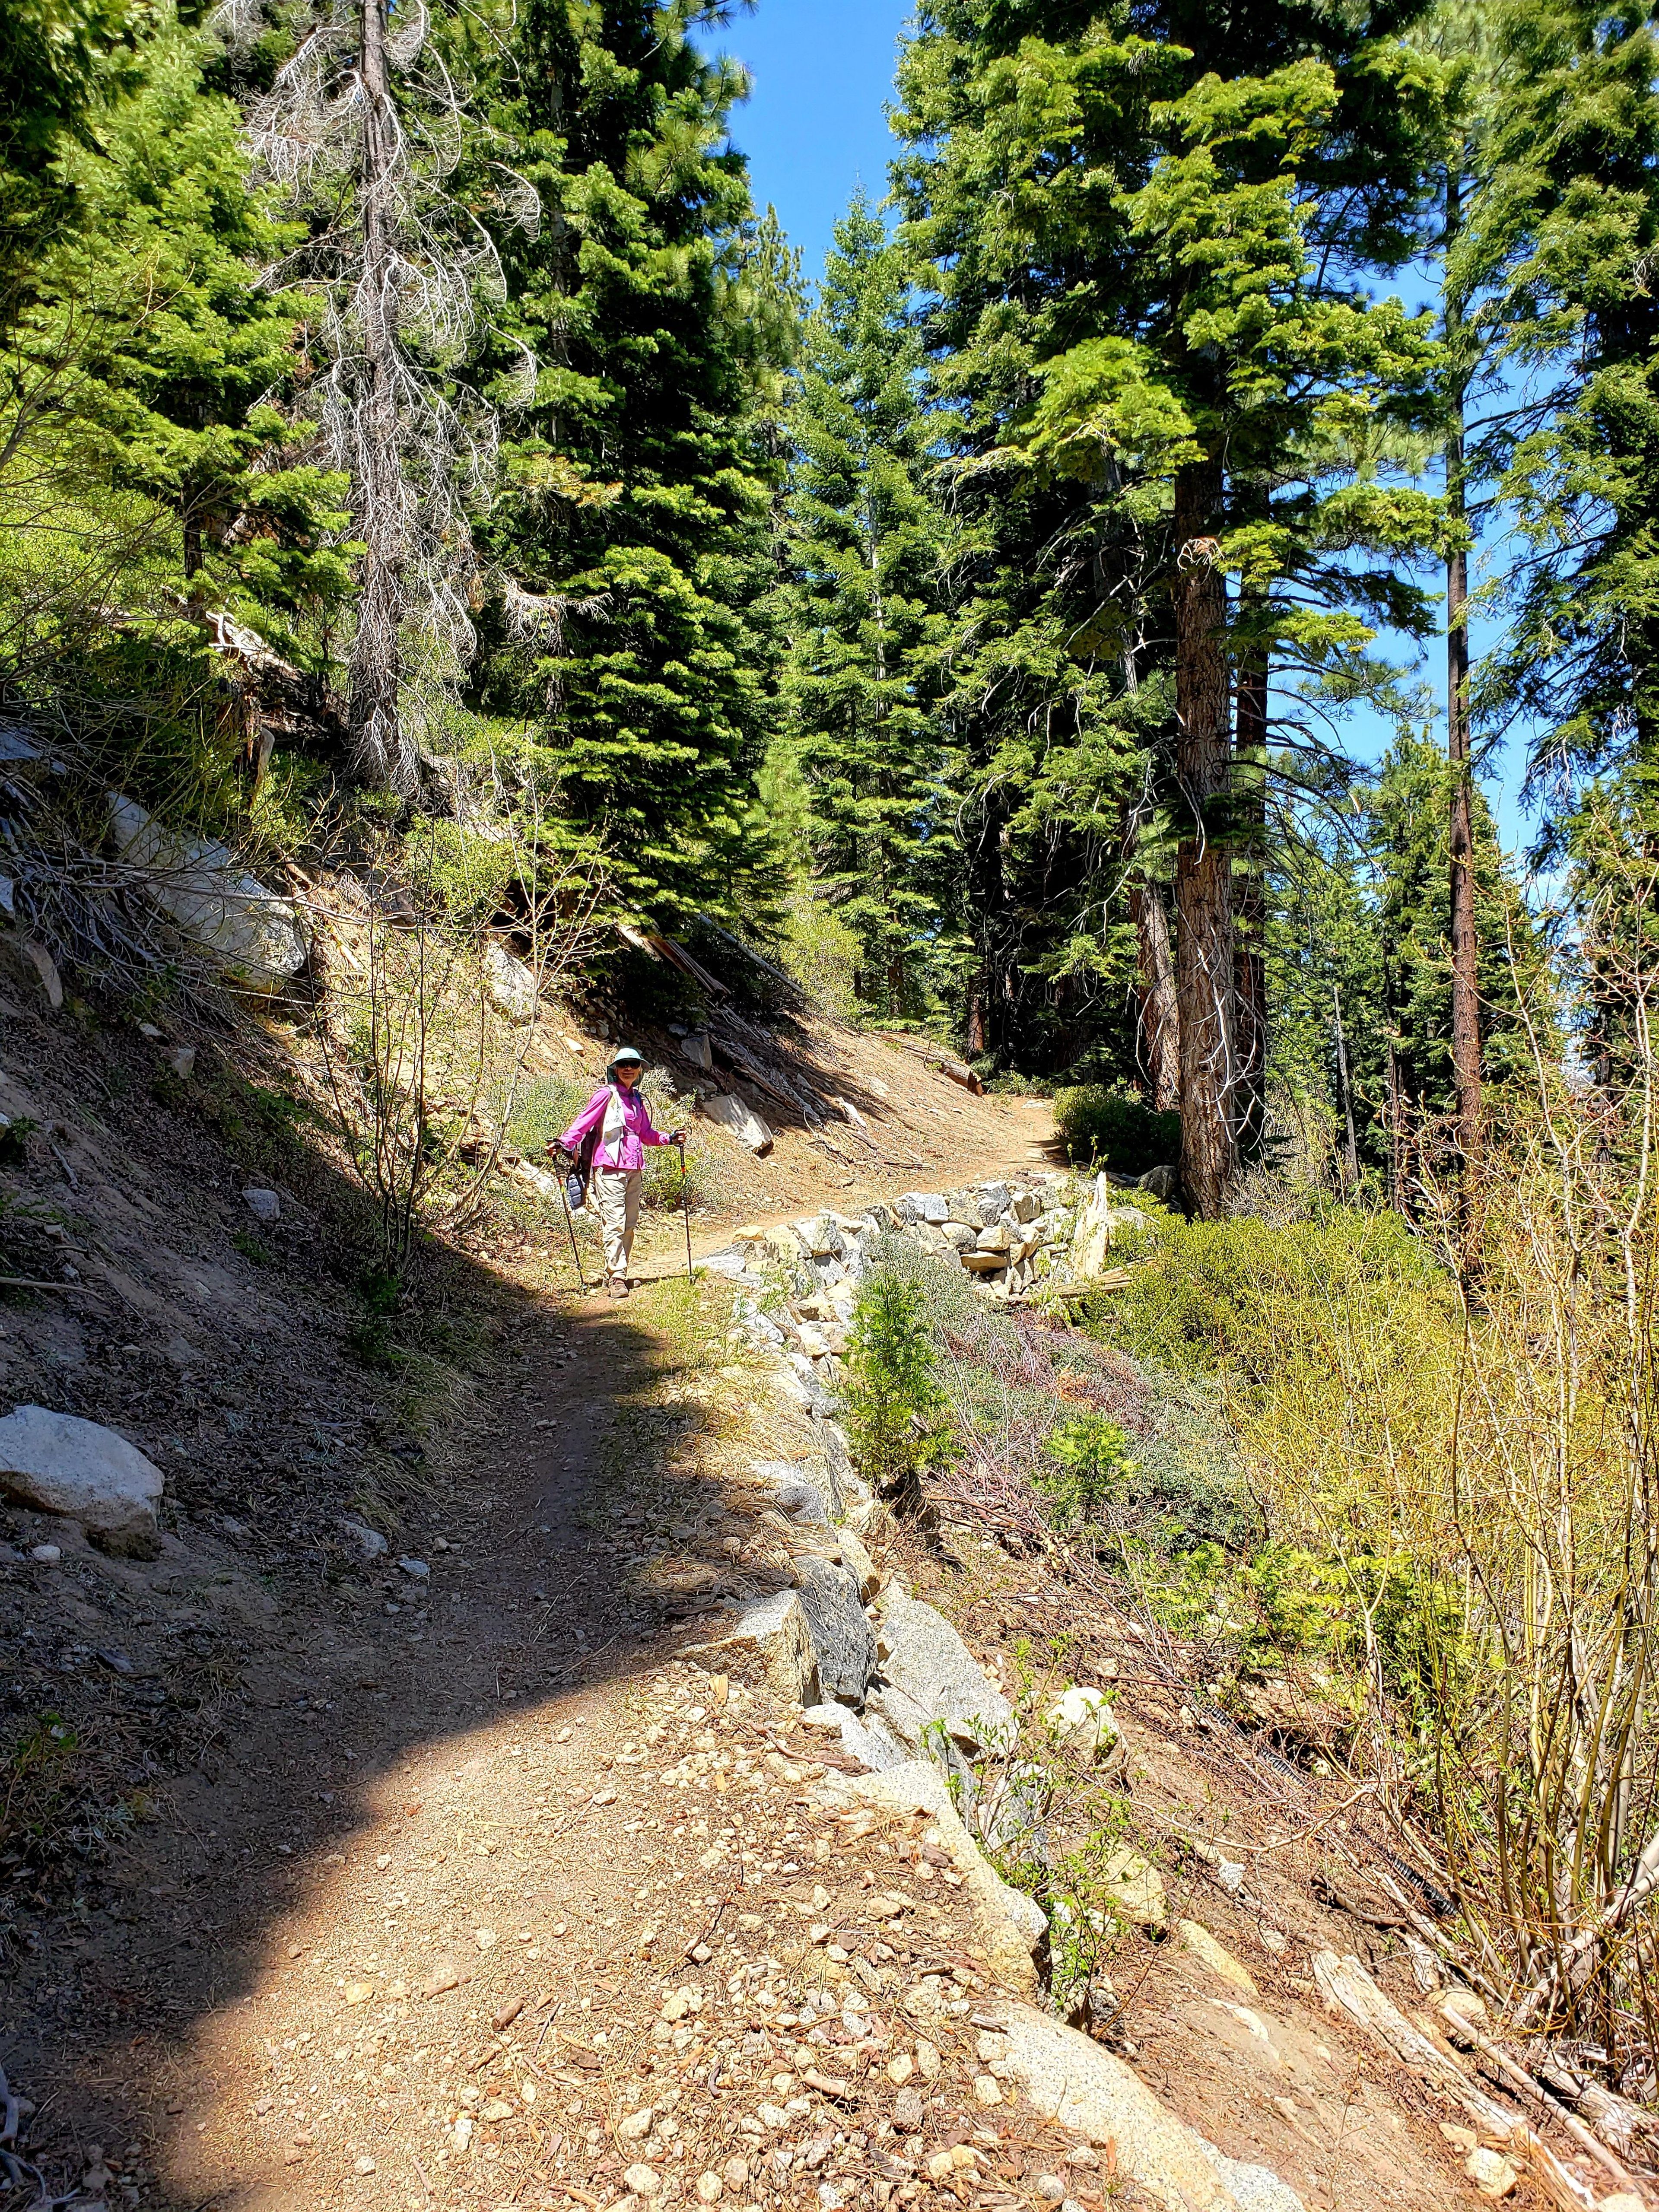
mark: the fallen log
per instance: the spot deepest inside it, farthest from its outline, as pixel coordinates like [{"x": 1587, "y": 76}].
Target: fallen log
[
  {"x": 1347, "y": 1988},
  {"x": 957, "y": 1071}
]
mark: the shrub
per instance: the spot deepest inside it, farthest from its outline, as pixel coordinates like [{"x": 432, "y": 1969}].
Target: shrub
[
  {"x": 1244, "y": 1298},
  {"x": 895, "y": 1410},
  {"x": 1091, "y": 1470},
  {"x": 1114, "y": 1129}
]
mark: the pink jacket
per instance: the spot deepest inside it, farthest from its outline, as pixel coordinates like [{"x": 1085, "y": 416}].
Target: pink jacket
[{"x": 637, "y": 1131}]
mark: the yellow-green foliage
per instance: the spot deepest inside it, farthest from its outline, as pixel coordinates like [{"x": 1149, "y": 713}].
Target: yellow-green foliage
[
  {"x": 1255, "y": 1300},
  {"x": 468, "y": 869},
  {"x": 1088, "y": 1470},
  {"x": 821, "y": 952}
]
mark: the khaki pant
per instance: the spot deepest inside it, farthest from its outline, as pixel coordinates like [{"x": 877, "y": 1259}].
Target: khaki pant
[{"x": 617, "y": 1194}]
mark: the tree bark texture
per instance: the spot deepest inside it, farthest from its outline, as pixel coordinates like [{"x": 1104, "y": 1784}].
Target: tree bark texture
[
  {"x": 1465, "y": 990},
  {"x": 1160, "y": 1027},
  {"x": 1205, "y": 988},
  {"x": 381, "y": 752},
  {"x": 1250, "y": 885}
]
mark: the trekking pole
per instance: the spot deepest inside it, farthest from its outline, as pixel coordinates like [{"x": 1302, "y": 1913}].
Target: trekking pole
[
  {"x": 570, "y": 1231},
  {"x": 685, "y": 1209}
]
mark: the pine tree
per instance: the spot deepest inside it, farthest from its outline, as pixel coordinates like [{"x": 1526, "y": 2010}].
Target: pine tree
[
  {"x": 863, "y": 552},
  {"x": 1052, "y": 688},
  {"x": 55, "y": 65},
  {"x": 1359, "y": 934},
  {"x": 1161, "y": 319},
  {"x": 150, "y": 371},
  {"x": 634, "y": 636},
  {"x": 1558, "y": 235},
  {"x": 1239, "y": 365}
]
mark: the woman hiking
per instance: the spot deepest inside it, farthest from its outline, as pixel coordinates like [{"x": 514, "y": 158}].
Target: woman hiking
[{"x": 620, "y": 1119}]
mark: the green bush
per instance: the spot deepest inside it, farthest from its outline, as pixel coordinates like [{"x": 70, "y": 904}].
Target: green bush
[
  {"x": 1243, "y": 1297},
  {"x": 894, "y": 1408},
  {"x": 1114, "y": 1129},
  {"x": 1092, "y": 1470}
]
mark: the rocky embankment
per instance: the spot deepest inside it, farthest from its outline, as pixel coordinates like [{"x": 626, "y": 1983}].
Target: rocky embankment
[{"x": 1018, "y": 1240}]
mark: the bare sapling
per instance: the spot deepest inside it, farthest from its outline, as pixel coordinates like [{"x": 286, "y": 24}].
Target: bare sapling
[{"x": 424, "y": 1051}]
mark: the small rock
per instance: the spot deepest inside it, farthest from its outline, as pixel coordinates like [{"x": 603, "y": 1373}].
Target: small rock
[
  {"x": 509, "y": 986},
  {"x": 900, "y": 2068},
  {"x": 364, "y": 2165},
  {"x": 768, "y": 1637},
  {"x": 642, "y": 2180},
  {"x": 1490, "y": 2172},
  {"x": 485, "y": 1938},
  {"x": 987, "y": 2090},
  {"x": 264, "y": 1205},
  {"x": 843, "y": 1639},
  {"x": 1197, "y": 1938},
  {"x": 358, "y": 1993},
  {"x": 710, "y": 2188},
  {"x": 1465, "y": 2008},
  {"x": 58, "y": 1463},
  {"x": 735, "y": 2173},
  {"x": 47, "y": 1554},
  {"x": 1083, "y": 1719},
  {"x": 496, "y": 2110},
  {"x": 928, "y": 2059},
  {"x": 907, "y": 2113},
  {"x": 369, "y": 1541},
  {"x": 1051, "y": 2188},
  {"x": 932, "y": 1676},
  {"x": 1133, "y": 1889},
  {"x": 416, "y": 1569},
  {"x": 637, "y": 2125},
  {"x": 182, "y": 1060}
]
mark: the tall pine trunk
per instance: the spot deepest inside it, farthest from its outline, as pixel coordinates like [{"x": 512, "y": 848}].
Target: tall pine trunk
[
  {"x": 1205, "y": 990},
  {"x": 1160, "y": 1025},
  {"x": 1251, "y": 901},
  {"x": 1464, "y": 982},
  {"x": 381, "y": 752}
]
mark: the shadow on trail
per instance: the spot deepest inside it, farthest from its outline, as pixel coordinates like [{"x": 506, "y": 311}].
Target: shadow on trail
[{"x": 249, "y": 1703}]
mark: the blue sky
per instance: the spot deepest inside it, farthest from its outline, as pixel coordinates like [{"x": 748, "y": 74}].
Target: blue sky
[
  {"x": 815, "y": 128},
  {"x": 817, "y": 125}
]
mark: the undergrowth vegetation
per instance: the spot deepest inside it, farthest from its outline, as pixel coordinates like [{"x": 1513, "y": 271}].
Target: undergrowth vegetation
[
  {"x": 1114, "y": 1128},
  {"x": 1399, "y": 1513}
]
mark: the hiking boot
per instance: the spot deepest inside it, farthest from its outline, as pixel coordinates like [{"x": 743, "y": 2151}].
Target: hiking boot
[{"x": 616, "y": 1287}]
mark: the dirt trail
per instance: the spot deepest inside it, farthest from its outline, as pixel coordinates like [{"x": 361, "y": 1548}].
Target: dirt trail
[
  {"x": 433, "y": 1807},
  {"x": 474, "y": 1894}
]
